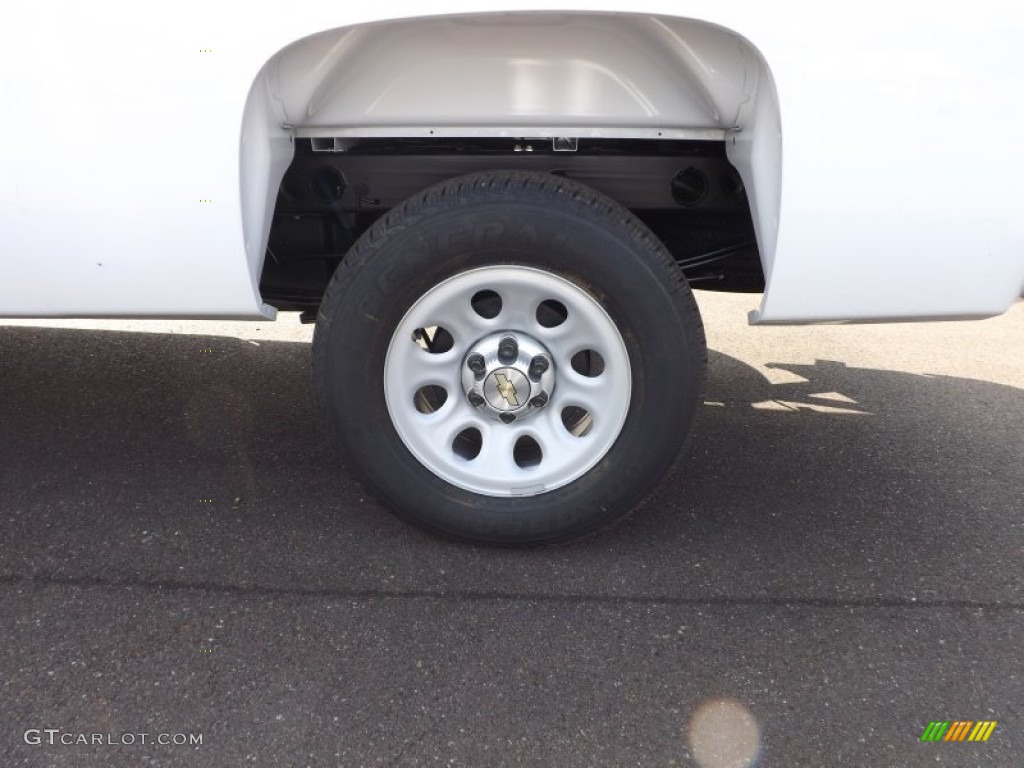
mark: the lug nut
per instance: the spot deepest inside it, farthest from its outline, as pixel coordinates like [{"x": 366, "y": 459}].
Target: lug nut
[
  {"x": 475, "y": 399},
  {"x": 476, "y": 364},
  {"x": 540, "y": 400},
  {"x": 508, "y": 418},
  {"x": 508, "y": 349},
  {"x": 538, "y": 366}
]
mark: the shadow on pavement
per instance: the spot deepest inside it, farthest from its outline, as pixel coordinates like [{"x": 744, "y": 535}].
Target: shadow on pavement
[{"x": 198, "y": 460}]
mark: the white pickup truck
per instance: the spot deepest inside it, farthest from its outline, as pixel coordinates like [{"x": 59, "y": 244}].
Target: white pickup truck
[{"x": 495, "y": 212}]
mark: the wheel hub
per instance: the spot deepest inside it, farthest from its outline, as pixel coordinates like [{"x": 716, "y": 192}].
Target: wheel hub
[{"x": 508, "y": 375}]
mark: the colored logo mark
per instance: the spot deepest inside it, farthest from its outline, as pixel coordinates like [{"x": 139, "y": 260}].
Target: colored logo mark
[
  {"x": 507, "y": 389},
  {"x": 959, "y": 730}
]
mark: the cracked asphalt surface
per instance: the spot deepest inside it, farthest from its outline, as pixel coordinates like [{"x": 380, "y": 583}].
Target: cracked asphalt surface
[{"x": 839, "y": 550}]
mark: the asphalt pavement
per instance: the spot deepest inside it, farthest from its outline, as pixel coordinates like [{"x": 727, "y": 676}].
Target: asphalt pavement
[{"x": 835, "y": 562}]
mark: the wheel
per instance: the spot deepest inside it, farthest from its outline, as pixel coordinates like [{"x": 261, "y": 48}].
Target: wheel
[{"x": 509, "y": 358}]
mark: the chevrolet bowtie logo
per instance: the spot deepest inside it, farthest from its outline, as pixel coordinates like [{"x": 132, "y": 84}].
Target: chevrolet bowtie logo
[{"x": 506, "y": 389}]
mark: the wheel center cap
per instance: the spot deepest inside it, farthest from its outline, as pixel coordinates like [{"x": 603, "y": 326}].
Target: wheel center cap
[
  {"x": 507, "y": 389},
  {"x": 508, "y": 375}
]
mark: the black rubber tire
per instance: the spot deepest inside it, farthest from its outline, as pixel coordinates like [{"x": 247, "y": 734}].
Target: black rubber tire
[{"x": 450, "y": 228}]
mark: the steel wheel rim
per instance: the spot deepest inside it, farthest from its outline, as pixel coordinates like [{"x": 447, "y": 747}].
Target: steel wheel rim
[{"x": 437, "y": 436}]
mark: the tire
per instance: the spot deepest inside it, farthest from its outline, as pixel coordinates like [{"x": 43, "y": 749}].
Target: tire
[{"x": 412, "y": 303}]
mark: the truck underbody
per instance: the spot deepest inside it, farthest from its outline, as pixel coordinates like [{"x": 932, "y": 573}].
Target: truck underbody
[{"x": 686, "y": 192}]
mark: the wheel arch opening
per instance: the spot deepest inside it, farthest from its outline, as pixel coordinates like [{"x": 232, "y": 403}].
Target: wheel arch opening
[{"x": 506, "y": 75}]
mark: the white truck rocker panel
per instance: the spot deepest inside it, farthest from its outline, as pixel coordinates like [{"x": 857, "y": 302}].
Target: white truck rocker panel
[{"x": 142, "y": 150}]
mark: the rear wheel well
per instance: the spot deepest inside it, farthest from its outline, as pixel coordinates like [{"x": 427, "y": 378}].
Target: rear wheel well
[{"x": 442, "y": 96}]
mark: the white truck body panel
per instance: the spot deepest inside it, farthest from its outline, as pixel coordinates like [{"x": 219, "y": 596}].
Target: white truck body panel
[{"x": 141, "y": 150}]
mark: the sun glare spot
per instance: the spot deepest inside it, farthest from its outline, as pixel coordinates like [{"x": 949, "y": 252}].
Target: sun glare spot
[{"x": 724, "y": 734}]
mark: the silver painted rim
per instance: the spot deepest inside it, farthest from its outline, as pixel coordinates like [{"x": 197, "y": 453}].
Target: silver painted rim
[{"x": 444, "y": 406}]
